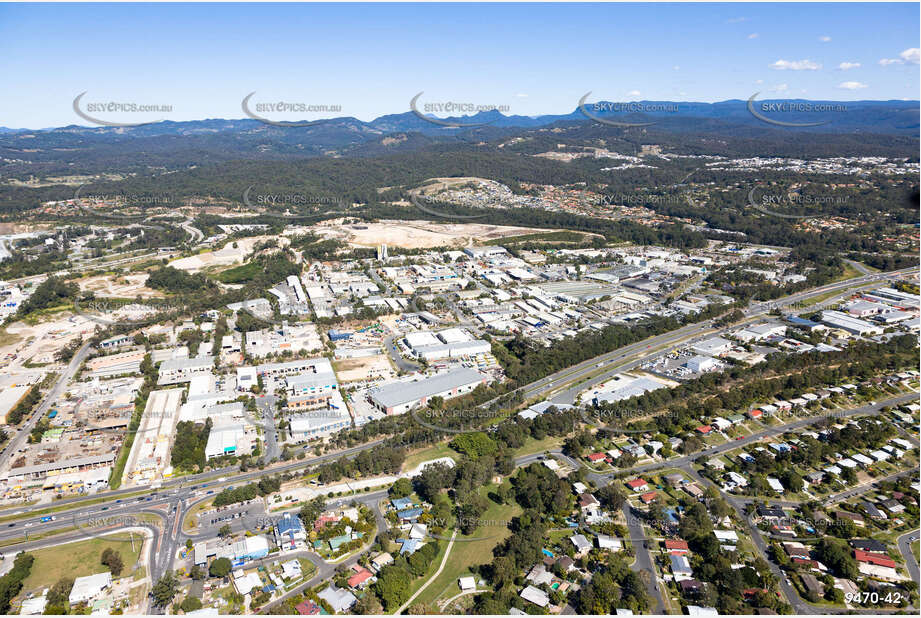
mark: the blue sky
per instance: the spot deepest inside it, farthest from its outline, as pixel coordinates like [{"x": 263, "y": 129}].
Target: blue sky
[{"x": 371, "y": 59}]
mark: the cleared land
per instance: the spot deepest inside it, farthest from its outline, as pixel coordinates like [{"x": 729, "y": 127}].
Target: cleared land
[
  {"x": 419, "y": 235},
  {"x": 120, "y": 286}
]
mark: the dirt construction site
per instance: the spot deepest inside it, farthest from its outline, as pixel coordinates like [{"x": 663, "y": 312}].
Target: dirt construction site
[{"x": 419, "y": 234}]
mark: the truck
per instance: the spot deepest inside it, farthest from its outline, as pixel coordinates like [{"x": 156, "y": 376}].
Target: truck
[{"x": 47, "y": 518}]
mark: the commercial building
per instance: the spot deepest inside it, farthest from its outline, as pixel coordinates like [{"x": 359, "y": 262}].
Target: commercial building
[
  {"x": 712, "y": 347},
  {"x": 761, "y": 332},
  {"x": 229, "y": 438},
  {"x": 400, "y": 397},
  {"x": 625, "y": 388},
  {"x": 289, "y": 531},
  {"x": 177, "y": 370},
  {"x": 89, "y": 588},
  {"x": 321, "y": 422},
  {"x": 150, "y": 452},
  {"x": 837, "y": 319},
  {"x": 450, "y": 343},
  {"x": 313, "y": 386}
]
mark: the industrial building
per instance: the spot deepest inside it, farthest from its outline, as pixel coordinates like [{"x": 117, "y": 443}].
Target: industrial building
[
  {"x": 400, "y": 397},
  {"x": 450, "y": 343},
  {"x": 856, "y": 326},
  {"x": 177, "y": 370}
]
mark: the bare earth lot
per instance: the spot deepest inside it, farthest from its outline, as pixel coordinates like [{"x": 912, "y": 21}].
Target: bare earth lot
[{"x": 420, "y": 234}]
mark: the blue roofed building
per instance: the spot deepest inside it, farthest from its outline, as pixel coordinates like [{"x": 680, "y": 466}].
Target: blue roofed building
[
  {"x": 289, "y": 531},
  {"x": 401, "y": 503},
  {"x": 410, "y": 514}
]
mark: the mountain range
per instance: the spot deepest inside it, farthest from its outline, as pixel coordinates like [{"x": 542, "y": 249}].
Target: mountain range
[{"x": 881, "y": 117}]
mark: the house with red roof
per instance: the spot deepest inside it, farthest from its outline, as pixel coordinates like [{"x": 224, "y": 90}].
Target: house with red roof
[
  {"x": 361, "y": 576},
  {"x": 322, "y": 520},
  {"x": 596, "y": 457},
  {"x": 676, "y": 546},
  {"x": 307, "y": 608},
  {"x": 806, "y": 562},
  {"x": 756, "y": 413},
  {"x": 648, "y": 497},
  {"x": 871, "y": 558},
  {"x": 705, "y": 429},
  {"x": 638, "y": 485},
  {"x": 876, "y": 565}
]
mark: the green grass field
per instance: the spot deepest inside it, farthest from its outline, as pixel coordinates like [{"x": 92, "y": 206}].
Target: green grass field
[
  {"x": 467, "y": 553},
  {"x": 79, "y": 559},
  {"x": 532, "y": 446},
  {"x": 239, "y": 274},
  {"x": 433, "y": 452}
]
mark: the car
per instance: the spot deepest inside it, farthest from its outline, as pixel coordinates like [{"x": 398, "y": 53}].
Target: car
[
  {"x": 105, "y": 508},
  {"x": 118, "y": 501},
  {"x": 11, "y": 525},
  {"x": 740, "y": 437}
]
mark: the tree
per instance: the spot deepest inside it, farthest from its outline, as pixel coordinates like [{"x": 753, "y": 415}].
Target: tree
[
  {"x": 220, "y": 567},
  {"x": 11, "y": 583},
  {"x": 611, "y": 497},
  {"x": 196, "y": 572},
  {"x": 164, "y": 591},
  {"x": 225, "y": 531},
  {"x": 401, "y": 488},
  {"x": 392, "y": 586},
  {"x": 368, "y": 605},
  {"x": 113, "y": 560},
  {"x": 836, "y": 554},
  {"x": 190, "y": 604},
  {"x": 59, "y": 593},
  {"x": 474, "y": 444},
  {"x": 311, "y": 511}
]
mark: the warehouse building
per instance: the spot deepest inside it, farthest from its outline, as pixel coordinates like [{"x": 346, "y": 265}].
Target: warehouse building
[
  {"x": 176, "y": 370},
  {"x": 400, "y": 397},
  {"x": 837, "y": 319}
]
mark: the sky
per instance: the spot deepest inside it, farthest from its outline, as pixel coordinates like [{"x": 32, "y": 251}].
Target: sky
[{"x": 201, "y": 60}]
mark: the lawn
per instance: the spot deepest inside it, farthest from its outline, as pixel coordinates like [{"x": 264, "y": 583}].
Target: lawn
[
  {"x": 532, "y": 446},
  {"x": 239, "y": 274},
  {"x": 466, "y": 554},
  {"x": 433, "y": 452},
  {"x": 79, "y": 559}
]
